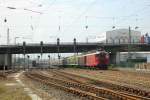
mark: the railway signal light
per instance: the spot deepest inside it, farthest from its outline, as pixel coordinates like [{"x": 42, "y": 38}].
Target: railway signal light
[
  {"x": 48, "y": 56},
  {"x": 58, "y": 56},
  {"x": 49, "y": 60},
  {"x": 58, "y": 41},
  {"x": 24, "y": 43},
  {"x": 5, "y": 20},
  {"x": 41, "y": 43},
  {"x": 86, "y": 26},
  {"x": 113, "y": 27},
  {"x": 74, "y": 40}
]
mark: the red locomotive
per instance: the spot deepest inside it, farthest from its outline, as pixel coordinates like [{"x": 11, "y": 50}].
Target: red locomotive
[{"x": 99, "y": 59}]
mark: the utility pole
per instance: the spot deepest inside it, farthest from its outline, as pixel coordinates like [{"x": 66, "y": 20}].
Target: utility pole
[
  {"x": 28, "y": 61},
  {"x": 129, "y": 46},
  {"x": 58, "y": 50},
  {"x": 129, "y": 35},
  {"x": 38, "y": 60},
  {"x": 24, "y": 53},
  {"x": 6, "y": 57},
  {"x": 7, "y": 36},
  {"x": 15, "y": 54},
  {"x": 5, "y": 20},
  {"x": 86, "y": 28},
  {"x": 41, "y": 43},
  {"x": 74, "y": 42}
]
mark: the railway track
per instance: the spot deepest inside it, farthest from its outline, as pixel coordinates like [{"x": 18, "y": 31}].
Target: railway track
[
  {"x": 126, "y": 90},
  {"x": 85, "y": 90},
  {"x": 4, "y": 74}
]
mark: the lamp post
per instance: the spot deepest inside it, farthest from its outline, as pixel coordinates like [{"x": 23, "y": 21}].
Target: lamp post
[
  {"x": 38, "y": 59},
  {"x": 5, "y": 21},
  {"x": 24, "y": 53},
  {"x": 129, "y": 43},
  {"x": 75, "y": 50},
  {"x": 28, "y": 60},
  {"x": 6, "y": 57},
  {"x": 15, "y": 54},
  {"x": 24, "y": 45},
  {"x": 54, "y": 38},
  {"x": 49, "y": 61},
  {"x": 59, "y": 60},
  {"x": 58, "y": 49}
]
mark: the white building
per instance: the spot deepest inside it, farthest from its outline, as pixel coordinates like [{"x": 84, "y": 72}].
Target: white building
[
  {"x": 122, "y": 36},
  {"x": 123, "y": 56}
]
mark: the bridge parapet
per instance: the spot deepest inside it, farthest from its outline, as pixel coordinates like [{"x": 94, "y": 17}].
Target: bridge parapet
[{"x": 68, "y": 47}]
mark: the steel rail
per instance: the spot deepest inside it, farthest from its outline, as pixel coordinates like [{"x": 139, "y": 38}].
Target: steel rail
[
  {"x": 126, "y": 90},
  {"x": 111, "y": 94},
  {"x": 67, "y": 89}
]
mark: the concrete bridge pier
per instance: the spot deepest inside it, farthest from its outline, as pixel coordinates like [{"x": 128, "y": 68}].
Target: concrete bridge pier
[
  {"x": 5, "y": 61},
  {"x": 115, "y": 58}
]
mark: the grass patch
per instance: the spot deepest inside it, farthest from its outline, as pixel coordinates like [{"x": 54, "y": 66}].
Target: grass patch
[{"x": 12, "y": 92}]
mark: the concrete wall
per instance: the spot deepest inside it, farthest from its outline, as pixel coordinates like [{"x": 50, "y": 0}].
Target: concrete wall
[
  {"x": 123, "y": 56},
  {"x": 113, "y": 58},
  {"x": 5, "y": 60}
]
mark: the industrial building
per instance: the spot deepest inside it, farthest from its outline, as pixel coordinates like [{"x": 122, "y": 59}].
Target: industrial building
[{"x": 123, "y": 36}]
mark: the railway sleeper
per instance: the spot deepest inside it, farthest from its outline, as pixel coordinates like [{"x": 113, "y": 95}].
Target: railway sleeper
[
  {"x": 74, "y": 91},
  {"x": 45, "y": 81},
  {"x": 113, "y": 86},
  {"x": 92, "y": 89},
  {"x": 135, "y": 91}
]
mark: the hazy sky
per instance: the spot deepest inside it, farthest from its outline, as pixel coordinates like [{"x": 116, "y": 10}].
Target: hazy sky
[{"x": 42, "y": 18}]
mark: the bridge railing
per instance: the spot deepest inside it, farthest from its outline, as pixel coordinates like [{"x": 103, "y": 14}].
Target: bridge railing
[{"x": 72, "y": 43}]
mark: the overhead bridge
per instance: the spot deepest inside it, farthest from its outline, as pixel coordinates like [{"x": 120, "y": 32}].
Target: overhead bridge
[
  {"x": 70, "y": 48},
  {"x": 7, "y": 50}
]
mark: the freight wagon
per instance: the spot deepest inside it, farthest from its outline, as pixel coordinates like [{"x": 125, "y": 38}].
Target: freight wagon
[
  {"x": 98, "y": 59},
  {"x": 145, "y": 39}
]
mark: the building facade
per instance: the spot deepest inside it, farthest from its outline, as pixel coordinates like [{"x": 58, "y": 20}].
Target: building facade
[{"x": 123, "y": 36}]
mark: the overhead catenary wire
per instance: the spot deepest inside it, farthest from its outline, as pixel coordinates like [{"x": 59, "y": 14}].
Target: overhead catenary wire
[
  {"x": 82, "y": 13},
  {"x": 33, "y": 2},
  {"x": 44, "y": 12},
  {"x": 112, "y": 18}
]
